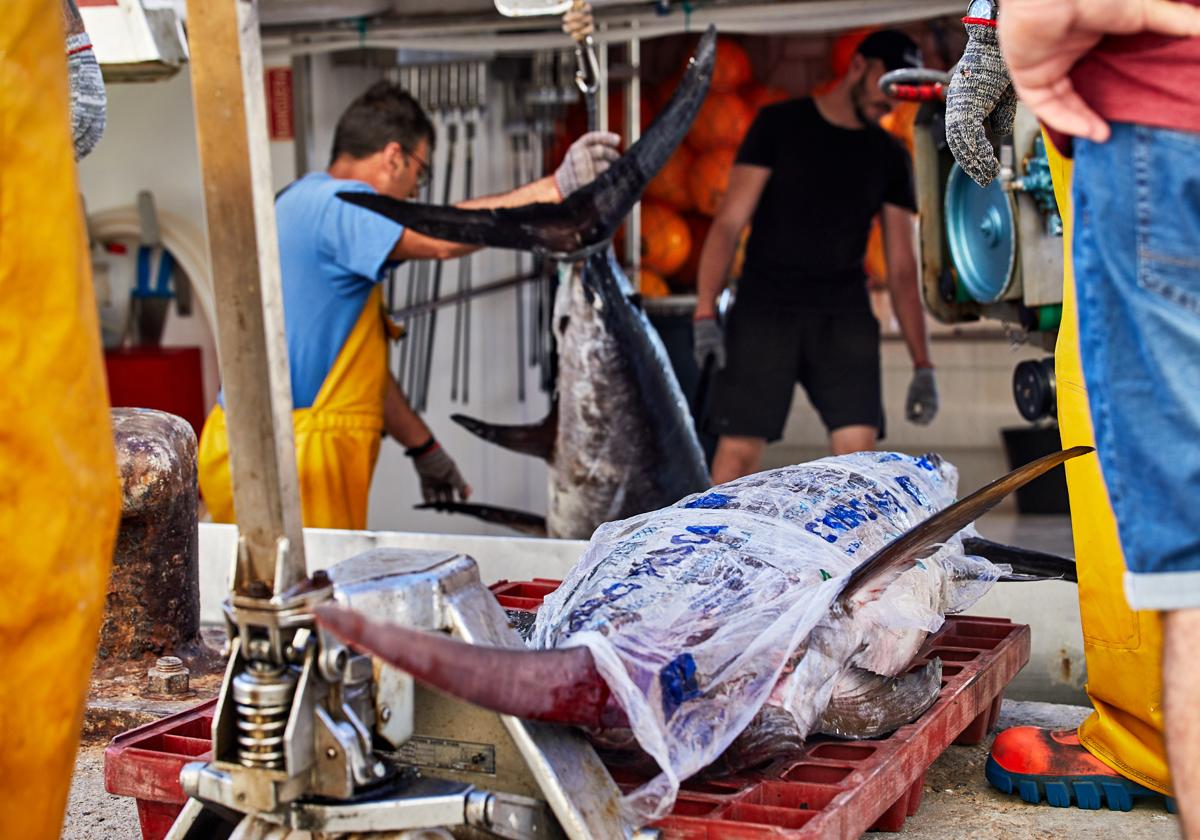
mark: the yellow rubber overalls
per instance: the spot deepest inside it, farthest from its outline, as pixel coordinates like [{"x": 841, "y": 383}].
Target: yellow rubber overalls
[
  {"x": 1123, "y": 648},
  {"x": 337, "y": 438},
  {"x": 60, "y": 498}
]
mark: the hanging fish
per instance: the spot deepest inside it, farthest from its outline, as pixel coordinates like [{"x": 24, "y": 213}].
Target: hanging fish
[
  {"x": 727, "y": 628},
  {"x": 619, "y": 438}
]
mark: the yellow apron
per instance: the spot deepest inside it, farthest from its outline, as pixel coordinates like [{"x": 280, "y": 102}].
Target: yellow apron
[
  {"x": 1123, "y": 648},
  {"x": 337, "y": 438},
  {"x": 60, "y": 499}
]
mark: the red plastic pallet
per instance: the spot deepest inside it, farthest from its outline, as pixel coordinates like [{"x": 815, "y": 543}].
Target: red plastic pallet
[{"x": 830, "y": 789}]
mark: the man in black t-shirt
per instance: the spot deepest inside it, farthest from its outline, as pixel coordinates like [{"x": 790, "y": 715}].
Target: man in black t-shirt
[{"x": 809, "y": 178}]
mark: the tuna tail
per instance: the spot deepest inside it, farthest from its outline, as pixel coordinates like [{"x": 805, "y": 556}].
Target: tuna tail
[
  {"x": 867, "y": 705},
  {"x": 1026, "y": 563},
  {"x": 554, "y": 686},
  {"x": 536, "y": 439},
  {"x": 589, "y": 217},
  {"x": 518, "y": 520},
  {"x": 916, "y": 542}
]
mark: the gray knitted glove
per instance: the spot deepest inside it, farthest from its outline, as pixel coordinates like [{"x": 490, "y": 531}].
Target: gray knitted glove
[
  {"x": 922, "y": 403},
  {"x": 979, "y": 89},
  {"x": 88, "y": 100},
  {"x": 586, "y": 160},
  {"x": 708, "y": 340},
  {"x": 439, "y": 475}
]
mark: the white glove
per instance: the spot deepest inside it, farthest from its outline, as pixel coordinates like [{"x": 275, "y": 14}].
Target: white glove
[{"x": 586, "y": 160}]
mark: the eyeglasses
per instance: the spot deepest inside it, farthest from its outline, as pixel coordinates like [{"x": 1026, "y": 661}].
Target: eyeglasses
[{"x": 425, "y": 175}]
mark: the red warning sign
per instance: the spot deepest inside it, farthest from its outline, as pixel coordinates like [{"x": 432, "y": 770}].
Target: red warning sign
[{"x": 281, "y": 112}]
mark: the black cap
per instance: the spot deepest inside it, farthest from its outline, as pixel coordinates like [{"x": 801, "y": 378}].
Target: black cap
[{"x": 891, "y": 46}]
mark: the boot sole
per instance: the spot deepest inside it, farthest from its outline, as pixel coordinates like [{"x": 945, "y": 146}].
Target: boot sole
[{"x": 1086, "y": 792}]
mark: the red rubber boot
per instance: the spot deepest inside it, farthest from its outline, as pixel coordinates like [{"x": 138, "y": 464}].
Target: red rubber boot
[{"x": 1040, "y": 763}]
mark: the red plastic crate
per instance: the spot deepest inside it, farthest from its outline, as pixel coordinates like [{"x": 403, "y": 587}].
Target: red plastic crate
[
  {"x": 830, "y": 789},
  {"x": 145, "y": 762}
]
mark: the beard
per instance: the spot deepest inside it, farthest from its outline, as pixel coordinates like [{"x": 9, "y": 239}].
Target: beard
[{"x": 858, "y": 95}]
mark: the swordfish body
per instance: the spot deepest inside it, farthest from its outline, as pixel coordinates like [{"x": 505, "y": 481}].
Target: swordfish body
[{"x": 619, "y": 439}]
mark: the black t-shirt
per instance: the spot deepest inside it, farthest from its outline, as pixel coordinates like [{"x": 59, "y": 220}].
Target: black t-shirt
[{"x": 809, "y": 232}]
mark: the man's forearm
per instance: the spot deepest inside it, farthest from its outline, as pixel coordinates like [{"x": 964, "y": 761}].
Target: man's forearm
[
  {"x": 906, "y": 302},
  {"x": 542, "y": 190},
  {"x": 715, "y": 258},
  {"x": 400, "y": 421},
  {"x": 71, "y": 17}
]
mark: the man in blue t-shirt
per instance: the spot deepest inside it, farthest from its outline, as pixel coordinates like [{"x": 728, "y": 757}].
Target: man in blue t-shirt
[{"x": 333, "y": 256}]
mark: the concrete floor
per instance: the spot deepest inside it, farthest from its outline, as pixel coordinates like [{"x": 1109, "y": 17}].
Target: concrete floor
[{"x": 958, "y": 803}]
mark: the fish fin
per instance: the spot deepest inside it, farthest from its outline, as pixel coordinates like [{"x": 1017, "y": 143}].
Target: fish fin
[
  {"x": 536, "y": 439},
  {"x": 588, "y": 217},
  {"x": 518, "y": 520},
  {"x": 868, "y": 705},
  {"x": 1026, "y": 564},
  {"x": 905, "y": 549}
]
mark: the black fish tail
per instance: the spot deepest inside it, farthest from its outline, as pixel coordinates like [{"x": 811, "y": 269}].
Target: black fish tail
[
  {"x": 536, "y": 439},
  {"x": 918, "y": 540},
  {"x": 518, "y": 520},
  {"x": 1026, "y": 564},
  {"x": 868, "y": 705}
]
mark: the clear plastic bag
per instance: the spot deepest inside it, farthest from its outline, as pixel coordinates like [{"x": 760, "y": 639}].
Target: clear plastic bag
[{"x": 700, "y": 614}]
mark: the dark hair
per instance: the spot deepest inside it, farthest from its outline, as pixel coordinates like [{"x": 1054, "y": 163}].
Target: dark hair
[{"x": 384, "y": 114}]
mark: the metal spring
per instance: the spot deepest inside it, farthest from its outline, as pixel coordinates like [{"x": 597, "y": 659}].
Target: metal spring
[{"x": 263, "y": 696}]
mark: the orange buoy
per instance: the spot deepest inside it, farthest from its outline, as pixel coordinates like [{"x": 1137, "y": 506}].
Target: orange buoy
[
  {"x": 670, "y": 185},
  {"x": 722, "y": 122},
  {"x": 710, "y": 179},
  {"x": 698, "y": 227},
  {"x": 760, "y": 96},
  {"x": 651, "y": 284},
  {"x": 731, "y": 69},
  {"x": 665, "y": 238}
]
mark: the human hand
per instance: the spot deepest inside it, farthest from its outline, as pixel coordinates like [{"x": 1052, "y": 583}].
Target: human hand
[
  {"x": 1043, "y": 39},
  {"x": 439, "y": 476},
  {"x": 922, "y": 403},
  {"x": 708, "y": 340},
  {"x": 586, "y": 160},
  {"x": 979, "y": 90},
  {"x": 578, "y": 22}
]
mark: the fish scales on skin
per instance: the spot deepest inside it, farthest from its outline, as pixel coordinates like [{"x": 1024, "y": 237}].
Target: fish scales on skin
[
  {"x": 623, "y": 439},
  {"x": 721, "y": 630}
]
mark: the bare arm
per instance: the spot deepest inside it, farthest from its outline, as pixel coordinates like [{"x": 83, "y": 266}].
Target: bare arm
[
  {"x": 71, "y": 18},
  {"x": 746, "y": 184},
  {"x": 400, "y": 421},
  {"x": 899, "y": 227}
]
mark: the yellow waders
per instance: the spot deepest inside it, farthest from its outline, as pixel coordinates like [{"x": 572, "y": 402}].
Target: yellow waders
[
  {"x": 337, "y": 438},
  {"x": 1123, "y": 648},
  {"x": 60, "y": 498}
]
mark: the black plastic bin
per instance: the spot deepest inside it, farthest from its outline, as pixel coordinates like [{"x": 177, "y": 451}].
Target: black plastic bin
[{"x": 1047, "y": 494}]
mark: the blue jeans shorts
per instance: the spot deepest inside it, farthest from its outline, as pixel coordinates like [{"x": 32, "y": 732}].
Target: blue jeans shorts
[{"x": 1137, "y": 270}]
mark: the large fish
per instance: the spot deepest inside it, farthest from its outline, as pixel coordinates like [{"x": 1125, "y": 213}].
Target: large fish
[
  {"x": 619, "y": 440},
  {"x": 730, "y": 626}
]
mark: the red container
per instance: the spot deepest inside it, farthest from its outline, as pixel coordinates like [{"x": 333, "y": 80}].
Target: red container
[
  {"x": 167, "y": 378},
  {"x": 145, "y": 763},
  {"x": 830, "y": 789}
]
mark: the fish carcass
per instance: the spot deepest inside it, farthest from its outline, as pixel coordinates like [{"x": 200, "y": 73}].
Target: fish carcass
[
  {"x": 730, "y": 626},
  {"x": 619, "y": 439}
]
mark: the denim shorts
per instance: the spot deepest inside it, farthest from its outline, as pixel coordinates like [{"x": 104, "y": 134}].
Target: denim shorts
[{"x": 1137, "y": 270}]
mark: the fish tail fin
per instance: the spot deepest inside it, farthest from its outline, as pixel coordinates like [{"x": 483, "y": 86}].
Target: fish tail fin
[
  {"x": 868, "y": 705},
  {"x": 536, "y": 439},
  {"x": 917, "y": 541},
  {"x": 1026, "y": 564},
  {"x": 518, "y": 520}
]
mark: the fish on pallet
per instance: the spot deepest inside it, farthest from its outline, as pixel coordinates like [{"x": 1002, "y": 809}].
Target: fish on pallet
[
  {"x": 732, "y": 625},
  {"x": 619, "y": 438}
]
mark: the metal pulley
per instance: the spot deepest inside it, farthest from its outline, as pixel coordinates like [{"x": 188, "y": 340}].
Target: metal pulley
[
  {"x": 1034, "y": 389},
  {"x": 981, "y": 226}
]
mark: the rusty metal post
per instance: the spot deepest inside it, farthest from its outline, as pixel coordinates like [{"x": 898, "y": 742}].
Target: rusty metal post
[{"x": 153, "y": 603}]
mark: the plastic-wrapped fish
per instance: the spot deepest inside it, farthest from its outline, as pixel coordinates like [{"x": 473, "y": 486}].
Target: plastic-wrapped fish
[{"x": 740, "y": 620}]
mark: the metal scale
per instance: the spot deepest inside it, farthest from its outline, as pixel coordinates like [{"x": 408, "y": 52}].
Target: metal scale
[{"x": 311, "y": 739}]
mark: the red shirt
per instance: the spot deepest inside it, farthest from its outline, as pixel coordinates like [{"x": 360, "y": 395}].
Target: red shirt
[{"x": 1145, "y": 79}]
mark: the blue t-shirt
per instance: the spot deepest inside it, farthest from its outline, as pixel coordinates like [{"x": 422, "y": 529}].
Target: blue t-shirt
[{"x": 331, "y": 253}]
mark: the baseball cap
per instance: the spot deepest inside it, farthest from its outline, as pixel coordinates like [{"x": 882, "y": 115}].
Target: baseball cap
[{"x": 891, "y": 46}]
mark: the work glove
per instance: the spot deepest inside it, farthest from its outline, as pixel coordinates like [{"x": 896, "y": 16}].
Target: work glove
[
  {"x": 439, "y": 475},
  {"x": 88, "y": 99},
  {"x": 979, "y": 90},
  {"x": 922, "y": 403},
  {"x": 586, "y": 159},
  {"x": 708, "y": 340},
  {"x": 578, "y": 22}
]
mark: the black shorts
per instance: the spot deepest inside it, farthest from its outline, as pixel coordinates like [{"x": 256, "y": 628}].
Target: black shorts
[{"x": 834, "y": 355}]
